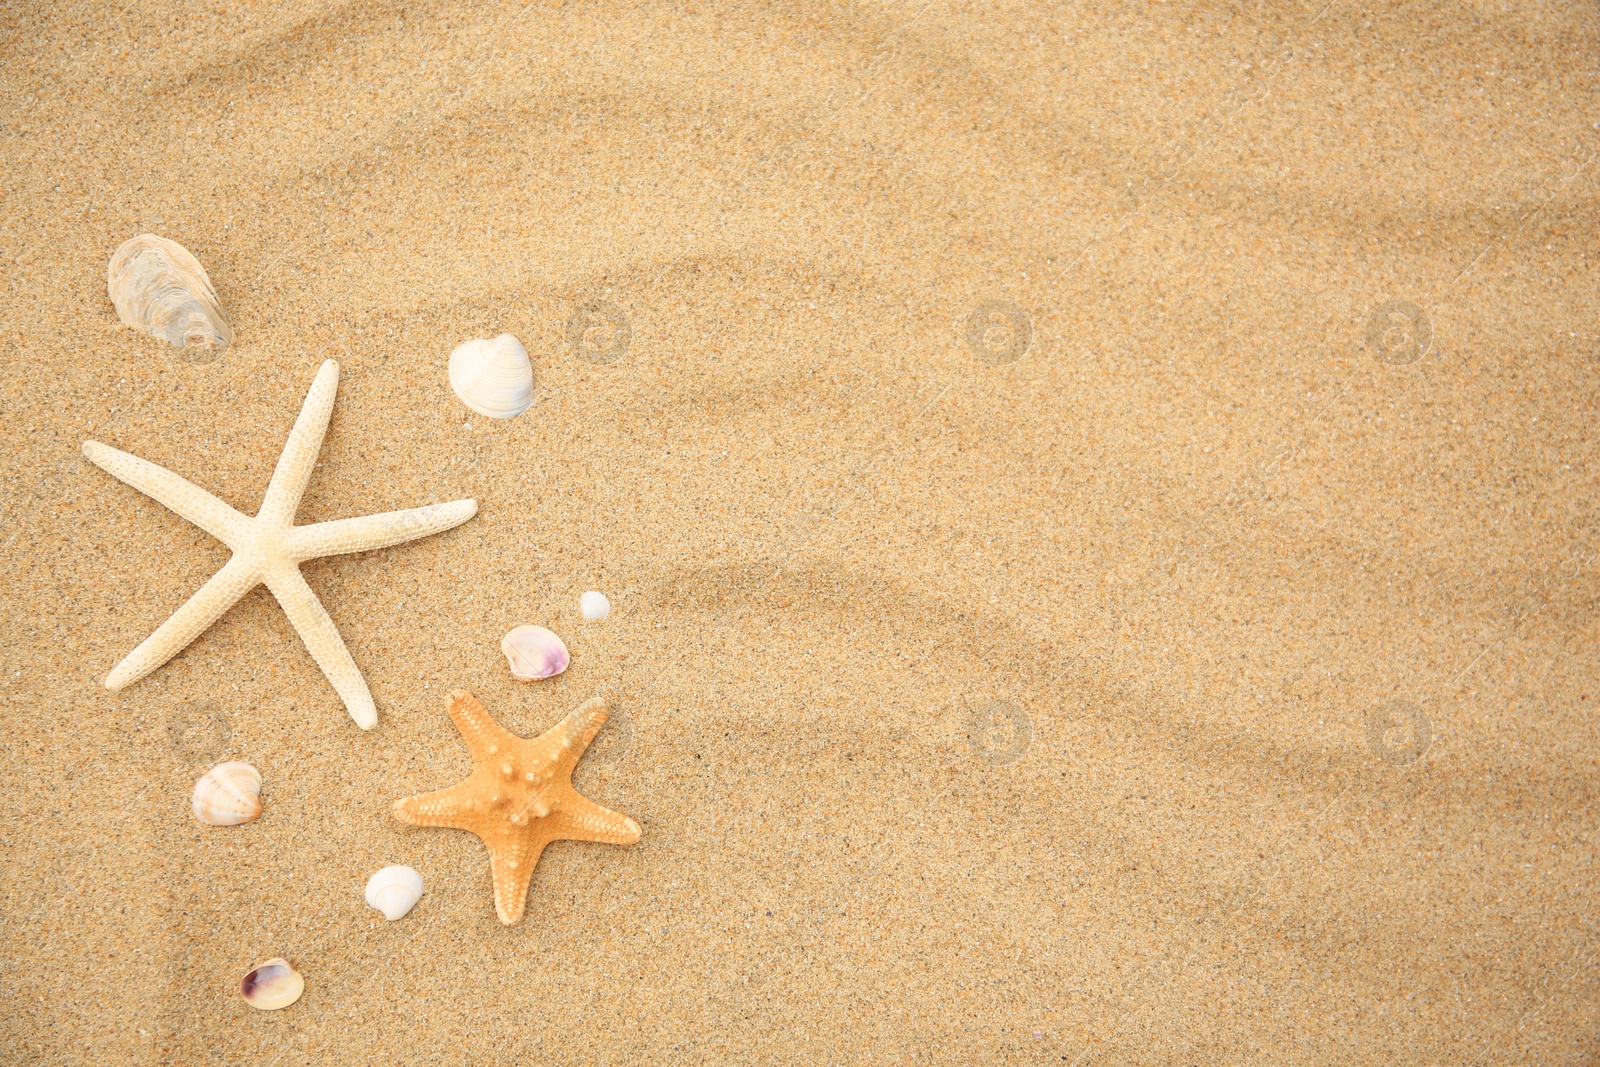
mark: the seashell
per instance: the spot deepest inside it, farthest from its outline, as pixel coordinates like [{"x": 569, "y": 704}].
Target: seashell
[
  {"x": 534, "y": 653},
  {"x": 594, "y": 605},
  {"x": 272, "y": 985},
  {"x": 493, "y": 378},
  {"x": 394, "y": 891},
  {"x": 159, "y": 288},
  {"x": 228, "y": 794}
]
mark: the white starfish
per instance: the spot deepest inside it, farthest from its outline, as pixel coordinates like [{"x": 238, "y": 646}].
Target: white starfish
[{"x": 270, "y": 548}]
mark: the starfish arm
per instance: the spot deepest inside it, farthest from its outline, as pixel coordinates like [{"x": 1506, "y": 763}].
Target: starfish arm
[
  {"x": 177, "y": 493},
  {"x": 452, "y": 808},
  {"x": 208, "y": 604},
  {"x": 376, "y": 531},
  {"x": 299, "y": 457},
  {"x": 511, "y": 864},
  {"x": 580, "y": 819},
  {"x": 322, "y": 640},
  {"x": 485, "y": 738},
  {"x": 564, "y": 743}
]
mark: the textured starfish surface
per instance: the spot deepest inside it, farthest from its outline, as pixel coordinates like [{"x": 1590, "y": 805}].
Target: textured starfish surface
[
  {"x": 270, "y": 548},
  {"x": 519, "y": 796}
]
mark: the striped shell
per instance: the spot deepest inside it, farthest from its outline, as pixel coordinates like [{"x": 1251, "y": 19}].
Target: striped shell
[
  {"x": 161, "y": 290},
  {"x": 493, "y": 378},
  {"x": 228, "y": 794}
]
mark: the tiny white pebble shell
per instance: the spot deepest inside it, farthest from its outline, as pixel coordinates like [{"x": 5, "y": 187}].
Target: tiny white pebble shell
[
  {"x": 394, "y": 891},
  {"x": 534, "y": 653},
  {"x": 493, "y": 377},
  {"x": 594, "y": 605},
  {"x": 228, "y": 794},
  {"x": 272, "y": 985},
  {"x": 162, "y": 290}
]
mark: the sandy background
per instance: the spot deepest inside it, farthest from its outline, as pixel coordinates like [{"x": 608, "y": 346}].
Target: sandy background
[{"x": 1207, "y": 685}]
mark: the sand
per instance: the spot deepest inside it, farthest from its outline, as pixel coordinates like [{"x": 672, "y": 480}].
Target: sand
[{"x": 1208, "y": 680}]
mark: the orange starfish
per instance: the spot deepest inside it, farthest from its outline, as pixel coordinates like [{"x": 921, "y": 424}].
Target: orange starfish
[{"x": 519, "y": 796}]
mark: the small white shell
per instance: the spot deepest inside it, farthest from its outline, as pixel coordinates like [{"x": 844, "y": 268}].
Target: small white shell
[
  {"x": 228, "y": 794},
  {"x": 493, "y": 378},
  {"x": 594, "y": 605},
  {"x": 160, "y": 289},
  {"x": 534, "y": 653},
  {"x": 394, "y": 891},
  {"x": 272, "y": 985}
]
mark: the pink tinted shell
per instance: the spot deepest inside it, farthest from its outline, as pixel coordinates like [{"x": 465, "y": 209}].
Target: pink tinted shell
[{"x": 533, "y": 653}]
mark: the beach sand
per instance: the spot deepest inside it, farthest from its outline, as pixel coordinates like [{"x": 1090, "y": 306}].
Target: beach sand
[{"x": 1188, "y": 660}]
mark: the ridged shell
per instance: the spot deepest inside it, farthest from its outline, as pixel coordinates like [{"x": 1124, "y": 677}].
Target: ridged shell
[
  {"x": 394, "y": 891},
  {"x": 534, "y": 653},
  {"x": 272, "y": 985},
  {"x": 228, "y": 794},
  {"x": 493, "y": 378},
  {"x": 160, "y": 289}
]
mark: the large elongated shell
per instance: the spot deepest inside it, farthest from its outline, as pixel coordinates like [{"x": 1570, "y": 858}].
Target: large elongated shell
[
  {"x": 493, "y": 378},
  {"x": 272, "y": 985},
  {"x": 533, "y": 653},
  {"x": 228, "y": 794},
  {"x": 394, "y": 891},
  {"x": 159, "y": 288}
]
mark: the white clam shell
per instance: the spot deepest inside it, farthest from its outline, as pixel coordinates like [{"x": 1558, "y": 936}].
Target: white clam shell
[
  {"x": 394, "y": 891},
  {"x": 161, "y": 290},
  {"x": 272, "y": 985},
  {"x": 534, "y": 653},
  {"x": 228, "y": 794},
  {"x": 594, "y": 605},
  {"x": 493, "y": 377}
]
